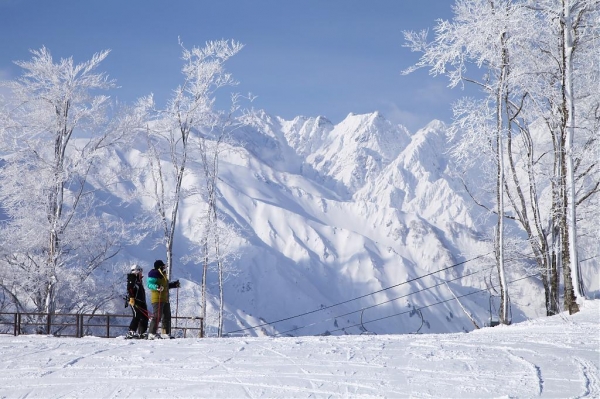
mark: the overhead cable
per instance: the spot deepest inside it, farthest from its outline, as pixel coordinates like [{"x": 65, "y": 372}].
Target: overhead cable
[
  {"x": 384, "y": 302},
  {"x": 359, "y": 297},
  {"x": 427, "y": 306}
]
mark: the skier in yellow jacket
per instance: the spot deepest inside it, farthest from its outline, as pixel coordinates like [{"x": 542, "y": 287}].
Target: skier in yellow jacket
[{"x": 159, "y": 286}]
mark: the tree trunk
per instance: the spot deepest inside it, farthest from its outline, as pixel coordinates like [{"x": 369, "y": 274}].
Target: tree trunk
[
  {"x": 204, "y": 276},
  {"x": 567, "y": 183},
  {"x": 500, "y": 184},
  {"x": 569, "y": 49}
]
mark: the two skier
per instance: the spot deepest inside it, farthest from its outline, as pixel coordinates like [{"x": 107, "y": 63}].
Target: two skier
[{"x": 159, "y": 286}]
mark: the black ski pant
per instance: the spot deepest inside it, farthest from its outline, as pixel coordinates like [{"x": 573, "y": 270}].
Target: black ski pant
[
  {"x": 139, "y": 323},
  {"x": 161, "y": 312}
]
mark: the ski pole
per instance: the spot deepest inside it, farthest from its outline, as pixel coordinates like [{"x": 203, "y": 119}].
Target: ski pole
[
  {"x": 133, "y": 309},
  {"x": 159, "y": 311},
  {"x": 160, "y": 300},
  {"x": 144, "y": 312},
  {"x": 176, "y": 306}
]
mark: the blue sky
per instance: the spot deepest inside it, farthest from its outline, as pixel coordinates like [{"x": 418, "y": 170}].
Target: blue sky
[{"x": 301, "y": 57}]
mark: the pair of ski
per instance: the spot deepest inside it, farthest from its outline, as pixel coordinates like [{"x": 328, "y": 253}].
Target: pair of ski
[
  {"x": 136, "y": 336},
  {"x": 145, "y": 336},
  {"x": 158, "y": 336}
]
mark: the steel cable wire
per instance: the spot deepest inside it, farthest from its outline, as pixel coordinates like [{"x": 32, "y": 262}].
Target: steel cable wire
[
  {"x": 356, "y": 298},
  {"x": 384, "y": 302},
  {"x": 428, "y": 306}
]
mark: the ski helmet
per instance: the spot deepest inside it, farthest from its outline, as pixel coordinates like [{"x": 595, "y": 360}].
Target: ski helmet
[{"x": 136, "y": 269}]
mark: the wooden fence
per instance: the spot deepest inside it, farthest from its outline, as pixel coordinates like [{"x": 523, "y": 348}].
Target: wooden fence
[{"x": 87, "y": 324}]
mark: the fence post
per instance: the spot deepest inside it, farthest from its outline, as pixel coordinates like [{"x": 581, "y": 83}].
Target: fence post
[
  {"x": 107, "y": 326},
  {"x": 16, "y": 320},
  {"x": 48, "y": 323},
  {"x": 18, "y": 323}
]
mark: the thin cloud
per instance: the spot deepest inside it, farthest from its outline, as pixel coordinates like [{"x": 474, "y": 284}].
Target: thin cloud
[
  {"x": 436, "y": 91},
  {"x": 5, "y": 73},
  {"x": 413, "y": 121}
]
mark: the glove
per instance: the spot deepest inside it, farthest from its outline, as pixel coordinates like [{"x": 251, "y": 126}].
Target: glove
[
  {"x": 132, "y": 301},
  {"x": 177, "y": 284}
]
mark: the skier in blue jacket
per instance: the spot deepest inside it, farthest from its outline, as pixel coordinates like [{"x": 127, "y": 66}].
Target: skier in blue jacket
[{"x": 159, "y": 286}]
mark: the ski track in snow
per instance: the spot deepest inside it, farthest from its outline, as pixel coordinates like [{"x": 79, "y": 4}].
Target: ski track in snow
[
  {"x": 590, "y": 377},
  {"x": 548, "y": 358}
]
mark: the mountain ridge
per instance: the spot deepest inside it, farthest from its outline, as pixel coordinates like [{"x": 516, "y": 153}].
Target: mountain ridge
[
  {"x": 336, "y": 224},
  {"x": 364, "y": 244}
]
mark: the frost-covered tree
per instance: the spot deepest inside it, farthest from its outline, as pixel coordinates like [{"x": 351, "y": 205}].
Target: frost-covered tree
[
  {"x": 522, "y": 47},
  {"x": 216, "y": 234},
  {"x": 55, "y": 137},
  {"x": 190, "y": 112},
  {"x": 483, "y": 34},
  {"x": 567, "y": 54}
]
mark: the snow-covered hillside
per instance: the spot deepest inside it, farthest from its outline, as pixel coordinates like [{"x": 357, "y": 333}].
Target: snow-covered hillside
[
  {"x": 332, "y": 216},
  {"x": 554, "y": 357}
]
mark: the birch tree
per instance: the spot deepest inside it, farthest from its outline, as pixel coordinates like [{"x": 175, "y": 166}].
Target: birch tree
[
  {"x": 190, "y": 112},
  {"x": 569, "y": 52},
  {"x": 214, "y": 228},
  {"x": 482, "y": 34},
  {"x": 522, "y": 46},
  {"x": 55, "y": 136},
  {"x": 209, "y": 155}
]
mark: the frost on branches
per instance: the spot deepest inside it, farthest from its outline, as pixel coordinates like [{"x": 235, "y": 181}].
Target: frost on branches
[
  {"x": 54, "y": 238},
  {"x": 538, "y": 124}
]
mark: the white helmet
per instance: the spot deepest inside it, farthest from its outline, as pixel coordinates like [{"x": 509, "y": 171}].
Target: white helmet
[{"x": 136, "y": 269}]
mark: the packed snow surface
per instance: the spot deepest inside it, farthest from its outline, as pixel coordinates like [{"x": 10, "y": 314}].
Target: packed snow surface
[{"x": 553, "y": 357}]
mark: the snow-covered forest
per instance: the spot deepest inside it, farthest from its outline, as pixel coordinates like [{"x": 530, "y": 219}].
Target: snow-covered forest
[{"x": 303, "y": 227}]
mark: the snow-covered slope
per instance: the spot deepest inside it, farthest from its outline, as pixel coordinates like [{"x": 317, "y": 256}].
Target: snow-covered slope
[
  {"x": 553, "y": 357},
  {"x": 337, "y": 223}
]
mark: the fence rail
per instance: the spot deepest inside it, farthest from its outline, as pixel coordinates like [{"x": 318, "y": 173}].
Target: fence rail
[{"x": 86, "y": 324}]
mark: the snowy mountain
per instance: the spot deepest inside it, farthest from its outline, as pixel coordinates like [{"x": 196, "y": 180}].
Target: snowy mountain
[{"x": 330, "y": 217}]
